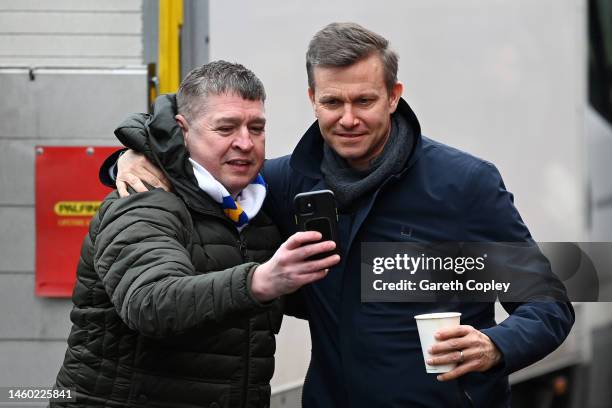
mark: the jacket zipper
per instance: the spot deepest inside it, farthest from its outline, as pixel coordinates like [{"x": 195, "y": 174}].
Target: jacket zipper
[{"x": 243, "y": 251}]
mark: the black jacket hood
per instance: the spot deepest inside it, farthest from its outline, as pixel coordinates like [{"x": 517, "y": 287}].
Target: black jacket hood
[{"x": 161, "y": 140}]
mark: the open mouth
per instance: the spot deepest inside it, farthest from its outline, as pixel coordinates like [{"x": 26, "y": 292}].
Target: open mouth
[{"x": 239, "y": 164}]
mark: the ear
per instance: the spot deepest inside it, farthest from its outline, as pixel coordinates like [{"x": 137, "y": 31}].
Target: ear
[
  {"x": 395, "y": 95},
  {"x": 311, "y": 96},
  {"x": 182, "y": 123}
]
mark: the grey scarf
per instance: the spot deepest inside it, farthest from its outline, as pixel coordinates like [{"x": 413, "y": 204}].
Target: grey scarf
[{"x": 349, "y": 184}]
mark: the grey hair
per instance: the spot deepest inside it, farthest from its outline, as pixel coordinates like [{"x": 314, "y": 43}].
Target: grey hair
[
  {"x": 217, "y": 78},
  {"x": 343, "y": 44}
]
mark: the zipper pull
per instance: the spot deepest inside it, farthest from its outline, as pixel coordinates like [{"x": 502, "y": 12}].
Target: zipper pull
[{"x": 243, "y": 248}]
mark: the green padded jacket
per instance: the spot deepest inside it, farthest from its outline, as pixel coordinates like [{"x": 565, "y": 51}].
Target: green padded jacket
[{"x": 163, "y": 315}]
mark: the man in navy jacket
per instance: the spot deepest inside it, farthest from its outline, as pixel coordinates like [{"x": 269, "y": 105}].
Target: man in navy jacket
[{"x": 393, "y": 184}]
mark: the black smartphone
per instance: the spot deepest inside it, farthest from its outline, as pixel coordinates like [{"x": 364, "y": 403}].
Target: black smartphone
[{"x": 316, "y": 211}]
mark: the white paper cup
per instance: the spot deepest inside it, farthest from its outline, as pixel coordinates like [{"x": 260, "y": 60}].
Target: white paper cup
[{"x": 428, "y": 325}]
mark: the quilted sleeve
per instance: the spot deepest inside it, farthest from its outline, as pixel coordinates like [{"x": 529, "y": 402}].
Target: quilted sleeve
[{"x": 141, "y": 256}]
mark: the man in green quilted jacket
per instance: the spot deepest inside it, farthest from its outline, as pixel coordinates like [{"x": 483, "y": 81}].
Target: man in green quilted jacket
[{"x": 177, "y": 294}]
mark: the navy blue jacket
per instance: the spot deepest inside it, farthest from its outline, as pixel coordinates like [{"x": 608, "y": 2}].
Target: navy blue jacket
[{"x": 368, "y": 354}]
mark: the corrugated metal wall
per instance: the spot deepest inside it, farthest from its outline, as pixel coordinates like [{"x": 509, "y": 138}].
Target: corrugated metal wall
[
  {"x": 56, "y": 106},
  {"x": 71, "y": 32}
]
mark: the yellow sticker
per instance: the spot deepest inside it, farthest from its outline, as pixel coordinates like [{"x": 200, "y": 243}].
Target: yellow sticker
[{"x": 76, "y": 208}]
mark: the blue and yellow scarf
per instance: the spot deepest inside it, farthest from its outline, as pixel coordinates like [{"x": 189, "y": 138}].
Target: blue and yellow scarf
[{"x": 247, "y": 203}]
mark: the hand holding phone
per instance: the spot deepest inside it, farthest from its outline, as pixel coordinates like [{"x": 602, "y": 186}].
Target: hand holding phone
[{"x": 292, "y": 266}]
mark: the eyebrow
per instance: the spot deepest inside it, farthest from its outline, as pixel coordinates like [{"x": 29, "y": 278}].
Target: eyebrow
[
  {"x": 258, "y": 121},
  {"x": 326, "y": 98},
  {"x": 237, "y": 121},
  {"x": 367, "y": 94}
]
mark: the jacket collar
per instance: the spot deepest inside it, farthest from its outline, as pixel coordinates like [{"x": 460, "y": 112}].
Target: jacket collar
[{"x": 308, "y": 154}]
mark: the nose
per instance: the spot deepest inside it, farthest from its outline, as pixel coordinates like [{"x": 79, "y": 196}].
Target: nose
[
  {"x": 243, "y": 140},
  {"x": 348, "y": 118}
]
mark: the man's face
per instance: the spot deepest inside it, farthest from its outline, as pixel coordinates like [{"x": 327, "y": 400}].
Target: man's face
[
  {"x": 228, "y": 139},
  {"x": 354, "y": 109}
]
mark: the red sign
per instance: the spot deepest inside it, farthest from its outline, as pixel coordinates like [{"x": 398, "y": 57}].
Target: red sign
[{"x": 68, "y": 194}]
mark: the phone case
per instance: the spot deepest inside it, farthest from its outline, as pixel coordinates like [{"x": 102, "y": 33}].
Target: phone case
[{"x": 316, "y": 211}]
